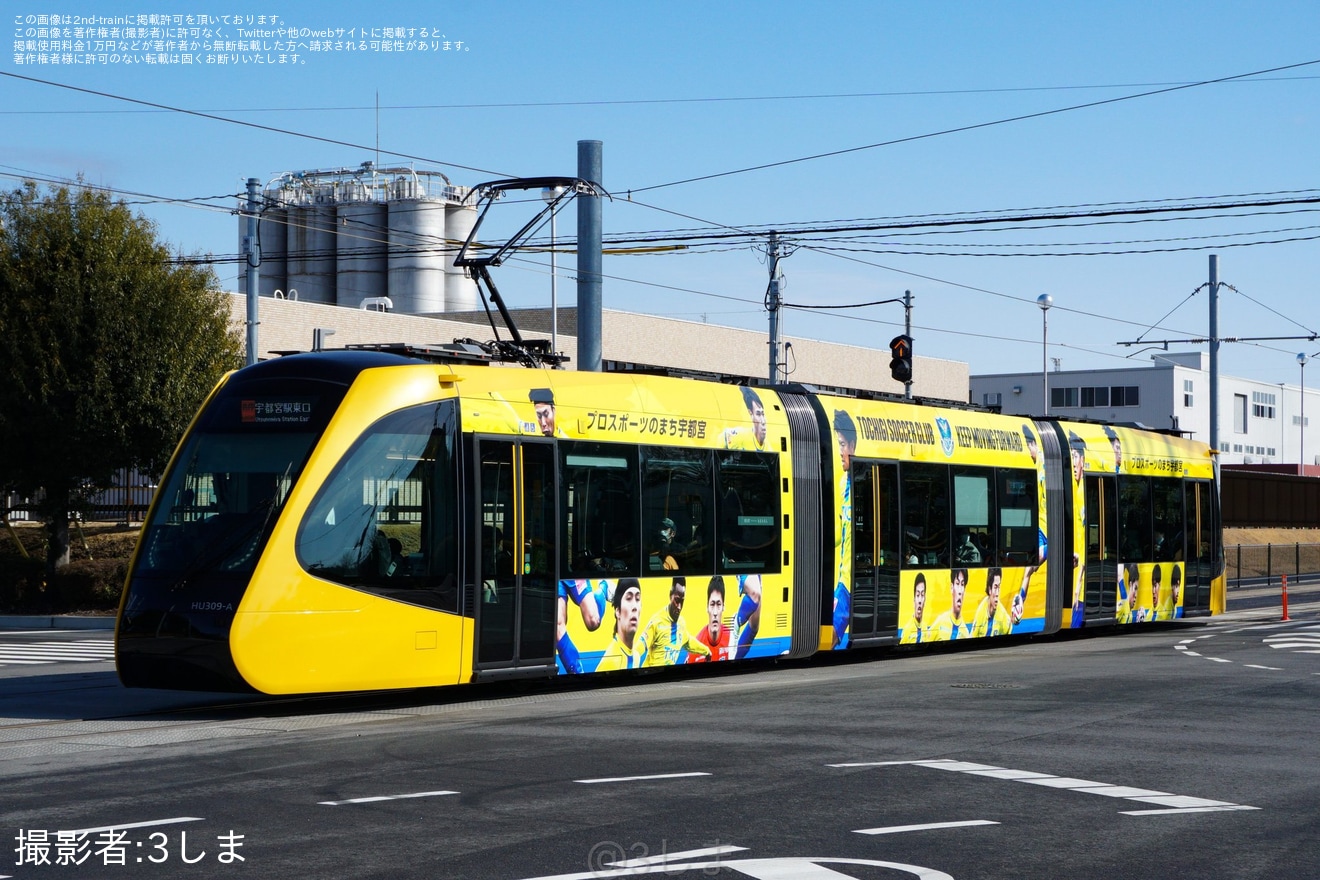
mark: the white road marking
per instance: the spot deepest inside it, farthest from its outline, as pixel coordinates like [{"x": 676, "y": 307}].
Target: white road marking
[
  {"x": 1182, "y": 802},
  {"x": 89, "y": 644},
  {"x": 1064, "y": 782},
  {"x": 1258, "y": 666},
  {"x": 1003, "y": 773},
  {"x": 899, "y": 829},
  {"x": 665, "y": 858},
  {"x": 81, "y": 650},
  {"x": 1224, "y": 809},
  {"x": 1179, "y": 803},
  {"x": 639, "y": 778},
  {"x": 175, "y": 821},
  {"x": 385, "y": 797}
]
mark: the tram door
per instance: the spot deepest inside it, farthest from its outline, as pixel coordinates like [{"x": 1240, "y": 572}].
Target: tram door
[
  {"x": 515, "y": 602},
  {"x": 1201, "y": 529},
  {"x": 875, "y": 549},
  {"x": 1101, "y": 548}
]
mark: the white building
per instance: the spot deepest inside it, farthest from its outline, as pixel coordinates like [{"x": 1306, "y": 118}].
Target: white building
[
  {"x": 630, "y": 341},
  {"x": 1259, "y": 422}
]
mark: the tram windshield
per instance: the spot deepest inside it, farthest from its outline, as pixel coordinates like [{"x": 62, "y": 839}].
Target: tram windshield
[{"x": 231, "y": 478}]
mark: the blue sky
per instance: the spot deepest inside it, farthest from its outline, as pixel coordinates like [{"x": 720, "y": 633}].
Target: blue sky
[{"x": 678, "y": 90}]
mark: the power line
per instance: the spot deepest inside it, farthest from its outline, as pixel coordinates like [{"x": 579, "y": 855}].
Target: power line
[
  {"x": 627, "y": 102},
  {"x": 1080, "y": 209},
  {"x": 1100, "y": 253},
  {"x": 816, "y": 229},
  {"x": 943, "y": 223},
  {"x": 975, "y": 126},
  {"x": 270, "y": 128}
]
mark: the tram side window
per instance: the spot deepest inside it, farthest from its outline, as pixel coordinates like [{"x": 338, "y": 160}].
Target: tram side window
[
  {"x": 598, "y": 509},
  {"x": 1167, "y": 510},
  {"x": 973, "y": 501},
  {"x": 1019, "y": 529},
  {"x": 677, "y": 509},
  {"x": 385, "y": 520},
  {"x": 748, "y": 505},
  {"x": 1134, "y": 539},
  {"x": 875, "y": 516},
  {"x": 925, "y": 514}
]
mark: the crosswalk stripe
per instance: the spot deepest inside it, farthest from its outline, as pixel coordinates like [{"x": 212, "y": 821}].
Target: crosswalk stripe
[
  {"x": 63, "y": 652},
  {"x": 37, "y": 653},
  {"x": 89, "y": 643},
  {"x": 68, "y": 649}
]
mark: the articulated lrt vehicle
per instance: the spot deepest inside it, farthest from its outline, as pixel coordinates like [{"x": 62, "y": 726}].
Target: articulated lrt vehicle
[{"x": 360, "y": 520}]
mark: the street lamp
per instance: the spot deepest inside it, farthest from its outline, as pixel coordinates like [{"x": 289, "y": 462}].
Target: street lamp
[
  {"x": 1301, "y": 448},
  {"x": 550, "y": 194},
  {"x": 1045, "y": 301}
]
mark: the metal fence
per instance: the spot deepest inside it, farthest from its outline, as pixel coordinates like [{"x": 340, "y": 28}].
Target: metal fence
[
  {"x": 1266, "y": 562},
  {"x": 126, "y": 500}
]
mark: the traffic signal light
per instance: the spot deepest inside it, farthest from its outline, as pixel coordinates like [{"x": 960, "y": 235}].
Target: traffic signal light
[{"x": 900, "y": 352}]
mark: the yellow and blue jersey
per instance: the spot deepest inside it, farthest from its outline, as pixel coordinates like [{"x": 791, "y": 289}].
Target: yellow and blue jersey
[
  {"x": 991, "y": 620},
  {"x": 913, "y": 633},
  {"x": 843, "y": 561},
  {"x": 617, "y": 656},
  {"x": 665, "y": 640},
  {"x": 742, "y": 439},
  {"x": 947, "y": 628}
]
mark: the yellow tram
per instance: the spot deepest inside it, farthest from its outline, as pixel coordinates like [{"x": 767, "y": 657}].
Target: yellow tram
[{"x": 368, "y": 519}]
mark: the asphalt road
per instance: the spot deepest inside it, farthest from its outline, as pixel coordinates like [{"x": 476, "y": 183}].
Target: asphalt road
[{"x": 1183, "y": 751}]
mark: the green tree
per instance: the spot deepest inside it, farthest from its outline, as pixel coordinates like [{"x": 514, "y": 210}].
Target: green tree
[{"x": 107, "y": 347}]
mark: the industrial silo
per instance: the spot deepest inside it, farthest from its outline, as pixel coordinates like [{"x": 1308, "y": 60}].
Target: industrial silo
[
  {"x": 273, "y": 235},
  {"x": 460, "y": 289},
  {"x": 272, "y": 241},
  {"x": 312, "y": 236},
  {"x": 361, "y": 269},
  {"x": 416, "y": 250}
]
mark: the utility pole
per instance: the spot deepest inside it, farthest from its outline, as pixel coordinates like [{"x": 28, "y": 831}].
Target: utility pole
[
  {"x": 252, "y": 255},
  {"x": 1214, "y": 352},
  {"x": 907, "y": 331},
  {"x": 1214, "y": 339},
  {"x": 773, "y": 300}
]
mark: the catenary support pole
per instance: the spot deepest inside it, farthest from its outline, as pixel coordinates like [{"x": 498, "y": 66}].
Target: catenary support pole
[
  {"x": 1214, "y": 352},
  {"x": 772, "y": 303},
  {"x": 589, "y": 260}
]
